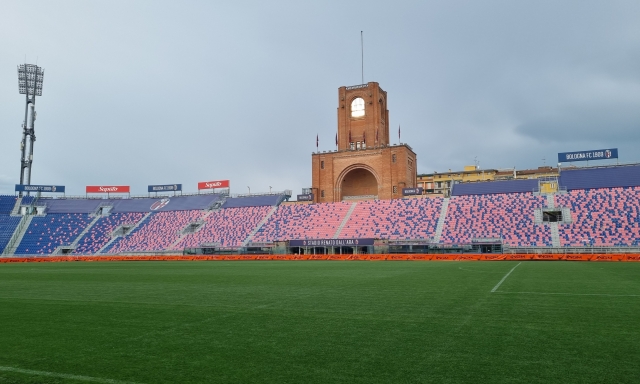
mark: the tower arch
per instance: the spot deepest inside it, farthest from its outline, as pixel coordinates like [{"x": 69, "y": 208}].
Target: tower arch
[{"x": 358, "y": 181}]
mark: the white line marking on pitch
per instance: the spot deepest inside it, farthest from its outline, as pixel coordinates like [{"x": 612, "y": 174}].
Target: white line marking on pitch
[
  {"x": 504, "y": 278},
  {"x": 569, "y": 294},
  {"x": 63, "y": 376}
]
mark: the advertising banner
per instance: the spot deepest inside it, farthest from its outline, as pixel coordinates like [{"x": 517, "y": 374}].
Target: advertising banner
[
  {"x": 305, "y": 197},
  {"x": 40, "y": 188},
  {"x": 596, "y": 154},
  {"x": 411, "y": 191},
  {"x": 330, "y": 242},
  {"x": 163, "y": 188},
  {"x": 213, "y": 184},
  {"x": 108, "y": 189}
]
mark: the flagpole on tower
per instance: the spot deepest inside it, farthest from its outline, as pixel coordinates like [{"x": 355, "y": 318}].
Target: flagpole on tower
[{"x": 362, "y": 55}]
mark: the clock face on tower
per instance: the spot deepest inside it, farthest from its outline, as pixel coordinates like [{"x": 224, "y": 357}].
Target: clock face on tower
[{"x": 357, "y": 107}]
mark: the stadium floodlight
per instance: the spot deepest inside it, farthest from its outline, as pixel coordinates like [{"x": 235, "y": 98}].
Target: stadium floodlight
[{"x": 30, "y": 78}]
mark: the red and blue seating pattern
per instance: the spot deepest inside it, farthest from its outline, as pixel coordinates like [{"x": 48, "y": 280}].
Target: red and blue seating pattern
[
  {"x": 507, "y": 216},
  {"x": 228, "y": 227},
  {"x": 46, "y": 233},
  {"x": 156, "y": 233},
  {"x": 303, "y": 221},
  {"x": 393, "y": 219},
  {"x": 100, "y": 233},
  {"x": 601, "y": 217}
]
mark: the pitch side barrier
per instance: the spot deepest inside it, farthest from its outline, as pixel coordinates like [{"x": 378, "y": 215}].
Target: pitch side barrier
[{"x": 361, "y": 257}]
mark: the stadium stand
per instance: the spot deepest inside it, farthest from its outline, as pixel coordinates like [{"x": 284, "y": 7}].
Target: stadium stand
[
  {"x": 71, "y": 205},
  {"x": 601, "y": 217},
  {"x": 100, "y": 234},
  {"x": 494, "y": 187},
  {"x": 605, "y": 177},
  {"x": 506, "y": 216},
  {"x": 312, "y": 221},
  {"x": 8, "y": 225},
  {"x": 253, "y": 201},
  {"x": 45, "y": 234},
  {"x": 156, "y": 233},
  {"x": 187, "y": 203},
  {"x": 7, "y": 203},
  {"x": 227, "y": 227},
  {"x": 393, "y": 219},
  {"x": 27, "y": 200},
  {"x": 131, "y": 205}
]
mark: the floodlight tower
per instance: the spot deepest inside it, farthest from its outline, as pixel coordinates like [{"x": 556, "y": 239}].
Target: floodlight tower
[{"x": 30, "y": 78}]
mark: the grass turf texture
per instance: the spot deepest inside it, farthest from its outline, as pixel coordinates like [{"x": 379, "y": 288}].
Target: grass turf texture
[{"x": 182, "y": 322}]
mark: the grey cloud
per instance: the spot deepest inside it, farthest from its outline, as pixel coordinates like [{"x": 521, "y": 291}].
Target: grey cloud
[{"x": 610, "y": 124}]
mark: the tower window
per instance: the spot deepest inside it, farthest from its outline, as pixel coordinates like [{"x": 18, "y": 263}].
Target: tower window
[
  {"x": 393, "y": 158},
  {"x": 322, "y": 164},
  {"x": 395, "y": 189},
  {"x": 322, "y": 193},
  {"x": 357, "y": 107}
]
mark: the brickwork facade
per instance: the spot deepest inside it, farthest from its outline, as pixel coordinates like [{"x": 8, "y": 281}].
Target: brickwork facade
[{"x": 365, "y": 164}]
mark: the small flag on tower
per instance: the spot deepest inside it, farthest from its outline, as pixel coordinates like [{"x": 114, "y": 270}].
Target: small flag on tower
[
  {"x": 317, "y": 142},
  {"x": 336, "y": 139},
  {"x": 398, "y": 132}
]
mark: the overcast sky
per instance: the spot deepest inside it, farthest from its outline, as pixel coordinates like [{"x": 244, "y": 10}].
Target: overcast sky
[{"x": 154, "y": 92}]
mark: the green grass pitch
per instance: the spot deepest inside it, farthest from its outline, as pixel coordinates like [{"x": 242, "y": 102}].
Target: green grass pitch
[{"x": 320, "y": 322}]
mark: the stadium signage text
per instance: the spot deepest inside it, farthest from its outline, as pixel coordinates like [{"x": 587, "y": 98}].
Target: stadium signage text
[
  {"x": 305, "y": 197},
  {"x": 597, "y": 154},
  {"x": 412, "y": 191},
  {"x": 168, "y": 187},
  {"x": 40, "y": 188},
  {"x": 213, "y": 184},
  {"x": 330, "y": 242},
  {"x": 108, "y": 189}
]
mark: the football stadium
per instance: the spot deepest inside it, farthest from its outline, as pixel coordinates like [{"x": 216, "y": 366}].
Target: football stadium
[{"x": 375, "y": 272}]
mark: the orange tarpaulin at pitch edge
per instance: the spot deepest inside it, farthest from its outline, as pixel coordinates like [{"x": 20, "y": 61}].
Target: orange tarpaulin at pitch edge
[{"x": 375, "y": 257}]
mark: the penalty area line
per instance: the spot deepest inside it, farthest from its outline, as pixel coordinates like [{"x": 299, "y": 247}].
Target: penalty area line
[
  {"x": 504, "y": 278},
  {"x": 63, "y": 376}
]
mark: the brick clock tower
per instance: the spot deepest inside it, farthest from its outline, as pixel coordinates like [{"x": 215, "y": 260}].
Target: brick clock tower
[{"x": 366, "y": 165}]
